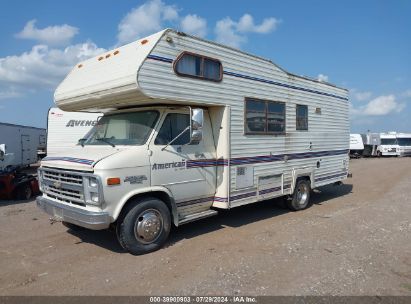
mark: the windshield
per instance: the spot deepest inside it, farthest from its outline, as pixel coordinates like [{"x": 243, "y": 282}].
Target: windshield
[
  {"x": 404, "y": 141},
  {"x": 388, "y": 141},
  {"x": 122, "y": 129}
]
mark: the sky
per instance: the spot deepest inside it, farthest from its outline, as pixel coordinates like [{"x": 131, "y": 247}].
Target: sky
[{"x": 364, "y": 46}]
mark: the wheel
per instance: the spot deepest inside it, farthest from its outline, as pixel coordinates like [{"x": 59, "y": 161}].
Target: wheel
[
  {"x": 379, "y": 154},
  {"x": 301, "y": 196},
  {"x": 72, "y": 226},
  {"x": 24, "y": 192},
  {"x": 145, "y": 227}
]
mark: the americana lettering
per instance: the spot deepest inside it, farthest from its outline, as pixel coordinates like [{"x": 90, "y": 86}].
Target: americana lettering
[{"x": 181, "y": 164}]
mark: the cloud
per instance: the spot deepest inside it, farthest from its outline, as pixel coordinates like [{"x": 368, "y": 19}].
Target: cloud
[
  {"x": 322, "y": 78},
  {"x": 361, "y": 96},
  {"x": 57, "y": 35},
  {"x": 144, "y": 20},
  {"x": 194, "y": 25},
  {"x": 40, "y": 68},
  {"x": 379, "y": 106},
  {"x": 233, "y": 33},
  {"x": 246, "y": 25}
]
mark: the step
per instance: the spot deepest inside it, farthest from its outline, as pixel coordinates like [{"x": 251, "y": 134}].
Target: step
[{"x": 197, "y": 216}]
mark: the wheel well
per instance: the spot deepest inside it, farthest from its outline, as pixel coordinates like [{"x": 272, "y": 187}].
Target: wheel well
[
  {"x": 304, "y": 177},
  {"x": 156, "y": 194}
]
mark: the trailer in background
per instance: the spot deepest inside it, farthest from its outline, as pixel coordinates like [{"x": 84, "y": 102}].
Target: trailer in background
[
  {"x": 356, "y": 146},
  {"x": 64, "y": 129},
  {"x": 371, "y": 142},
  {"x": 23, "y": 142}
]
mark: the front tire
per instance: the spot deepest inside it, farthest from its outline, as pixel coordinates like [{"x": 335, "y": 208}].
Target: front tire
[
  {"x": 301, "y": 196},
  {"x": 145, "y": 227}
]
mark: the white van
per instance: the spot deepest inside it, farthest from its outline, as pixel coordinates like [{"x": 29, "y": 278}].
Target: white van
[
  {"x": 388, "y": 144},
  {"x": 190, "y": 127}
]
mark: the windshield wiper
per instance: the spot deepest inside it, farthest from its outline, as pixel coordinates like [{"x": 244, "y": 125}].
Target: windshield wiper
[
  {"x": 81, "y": 141},
  {"x": 106, "y": 141}
]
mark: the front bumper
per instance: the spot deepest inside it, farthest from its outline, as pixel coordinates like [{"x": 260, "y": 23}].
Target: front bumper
[{"x": 80, "y": 217}]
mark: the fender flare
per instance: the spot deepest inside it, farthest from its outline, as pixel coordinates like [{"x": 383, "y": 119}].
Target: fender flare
[
  {"x": 296, "y": 173},
  {"x": 129, "y": 195}
]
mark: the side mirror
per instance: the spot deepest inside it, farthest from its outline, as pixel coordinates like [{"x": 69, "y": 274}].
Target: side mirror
[
  {"x": 2, "y": 151},
  {"x": 196, "y": 126}
]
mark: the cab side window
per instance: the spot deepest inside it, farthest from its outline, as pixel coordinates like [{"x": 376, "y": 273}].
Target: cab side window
[{"x": 173, "y": 125}]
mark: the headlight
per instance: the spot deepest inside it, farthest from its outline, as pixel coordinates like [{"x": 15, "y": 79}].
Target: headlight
[
  {"x": 94, "y": 197},
  {"x": 93, "y": 182}
]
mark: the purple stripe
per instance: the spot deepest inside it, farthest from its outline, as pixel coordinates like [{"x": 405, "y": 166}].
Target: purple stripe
[{"x": 169, "y": 60}]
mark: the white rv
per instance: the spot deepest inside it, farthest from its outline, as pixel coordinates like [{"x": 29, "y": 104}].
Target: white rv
[
  {"x": 388, "y": 144},
  {"x": 65, "y": 129},
  {"x": 22, "y": 143},
  {"x": 191, "y": 127},
  {"x": 356, "y": 145},
  {"x": 404, "y": 144}
]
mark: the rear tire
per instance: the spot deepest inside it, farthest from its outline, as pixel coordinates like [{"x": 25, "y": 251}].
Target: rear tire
[
  {"x": 24, "y": 192},
  {"x": 145, "y": 227},
  {"x": 301, "y": 196}
]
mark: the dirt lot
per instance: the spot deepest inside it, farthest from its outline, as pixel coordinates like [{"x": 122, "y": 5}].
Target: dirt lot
[{"x": 355, "y": 240}]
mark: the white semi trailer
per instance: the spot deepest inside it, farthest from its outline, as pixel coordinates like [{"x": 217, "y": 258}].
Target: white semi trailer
[
  {"x": 65, "y": 129},
  {"x": 190, "y": 127},
  {"x": 21, "y": 143}
]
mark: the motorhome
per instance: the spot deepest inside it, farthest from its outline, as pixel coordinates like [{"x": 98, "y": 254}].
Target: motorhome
[
  {"x": 404, "y": 144},
  {"x": 65, "y": 129},
  {"x": 190, "y": 127},
  {"x": 388, "y": 144},
  {"x": 356, "y": 145},
  {"x": 22, "y": 144}
]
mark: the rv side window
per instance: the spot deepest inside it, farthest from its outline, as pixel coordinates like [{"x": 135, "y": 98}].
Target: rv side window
[
  {"x": 264, "y": 117},
  {"x": 172, "y": 126},
  {"x": 192, "y": 65},
  {"x": 301, "y": 117}
]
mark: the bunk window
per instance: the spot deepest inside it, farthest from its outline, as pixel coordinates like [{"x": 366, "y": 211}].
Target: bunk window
[
  {"x": 301, "y": 118},
  {"x": 264, "y": 117},
  {"x": 197, "y": 66}
]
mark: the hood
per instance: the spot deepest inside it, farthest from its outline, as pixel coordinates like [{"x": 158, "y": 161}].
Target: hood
[{"x": 80, "y": 158}]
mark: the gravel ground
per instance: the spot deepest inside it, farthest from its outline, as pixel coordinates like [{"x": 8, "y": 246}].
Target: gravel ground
[{"x": 355, "y": 240}]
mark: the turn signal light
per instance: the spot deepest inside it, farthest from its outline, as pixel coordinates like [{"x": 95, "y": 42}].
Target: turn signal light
[
  {"x": 111, "y": 181},
  {"x": 144, "y": 41}
]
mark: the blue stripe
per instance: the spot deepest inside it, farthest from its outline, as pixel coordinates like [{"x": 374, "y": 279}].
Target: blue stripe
[
  {"x": 154, "y": 57},
  {"x": 70, "y": 159},
  {"x": 164, "y": 59}
]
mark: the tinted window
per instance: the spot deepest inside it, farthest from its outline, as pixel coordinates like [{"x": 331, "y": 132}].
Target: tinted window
[
  {"x": 301, "y": 117},
  {"x": 198, "y": 66},
  {"x": 388, "y": 141},
  {"x": 264, "y": 117},
  {"x": 404, "y": 141},
  {"x": 189, "y": 65},
  {"x": 172, "y": 126}
]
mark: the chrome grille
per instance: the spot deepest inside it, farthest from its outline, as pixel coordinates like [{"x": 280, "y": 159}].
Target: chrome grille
[
  {"x": 63, "y": 186},
  {"x": 63, "y": 177}
]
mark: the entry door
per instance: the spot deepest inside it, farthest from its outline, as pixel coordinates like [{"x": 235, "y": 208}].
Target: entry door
[
  {"x": 188, "y": 171},
  {"x": 25, "y": 149}
]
